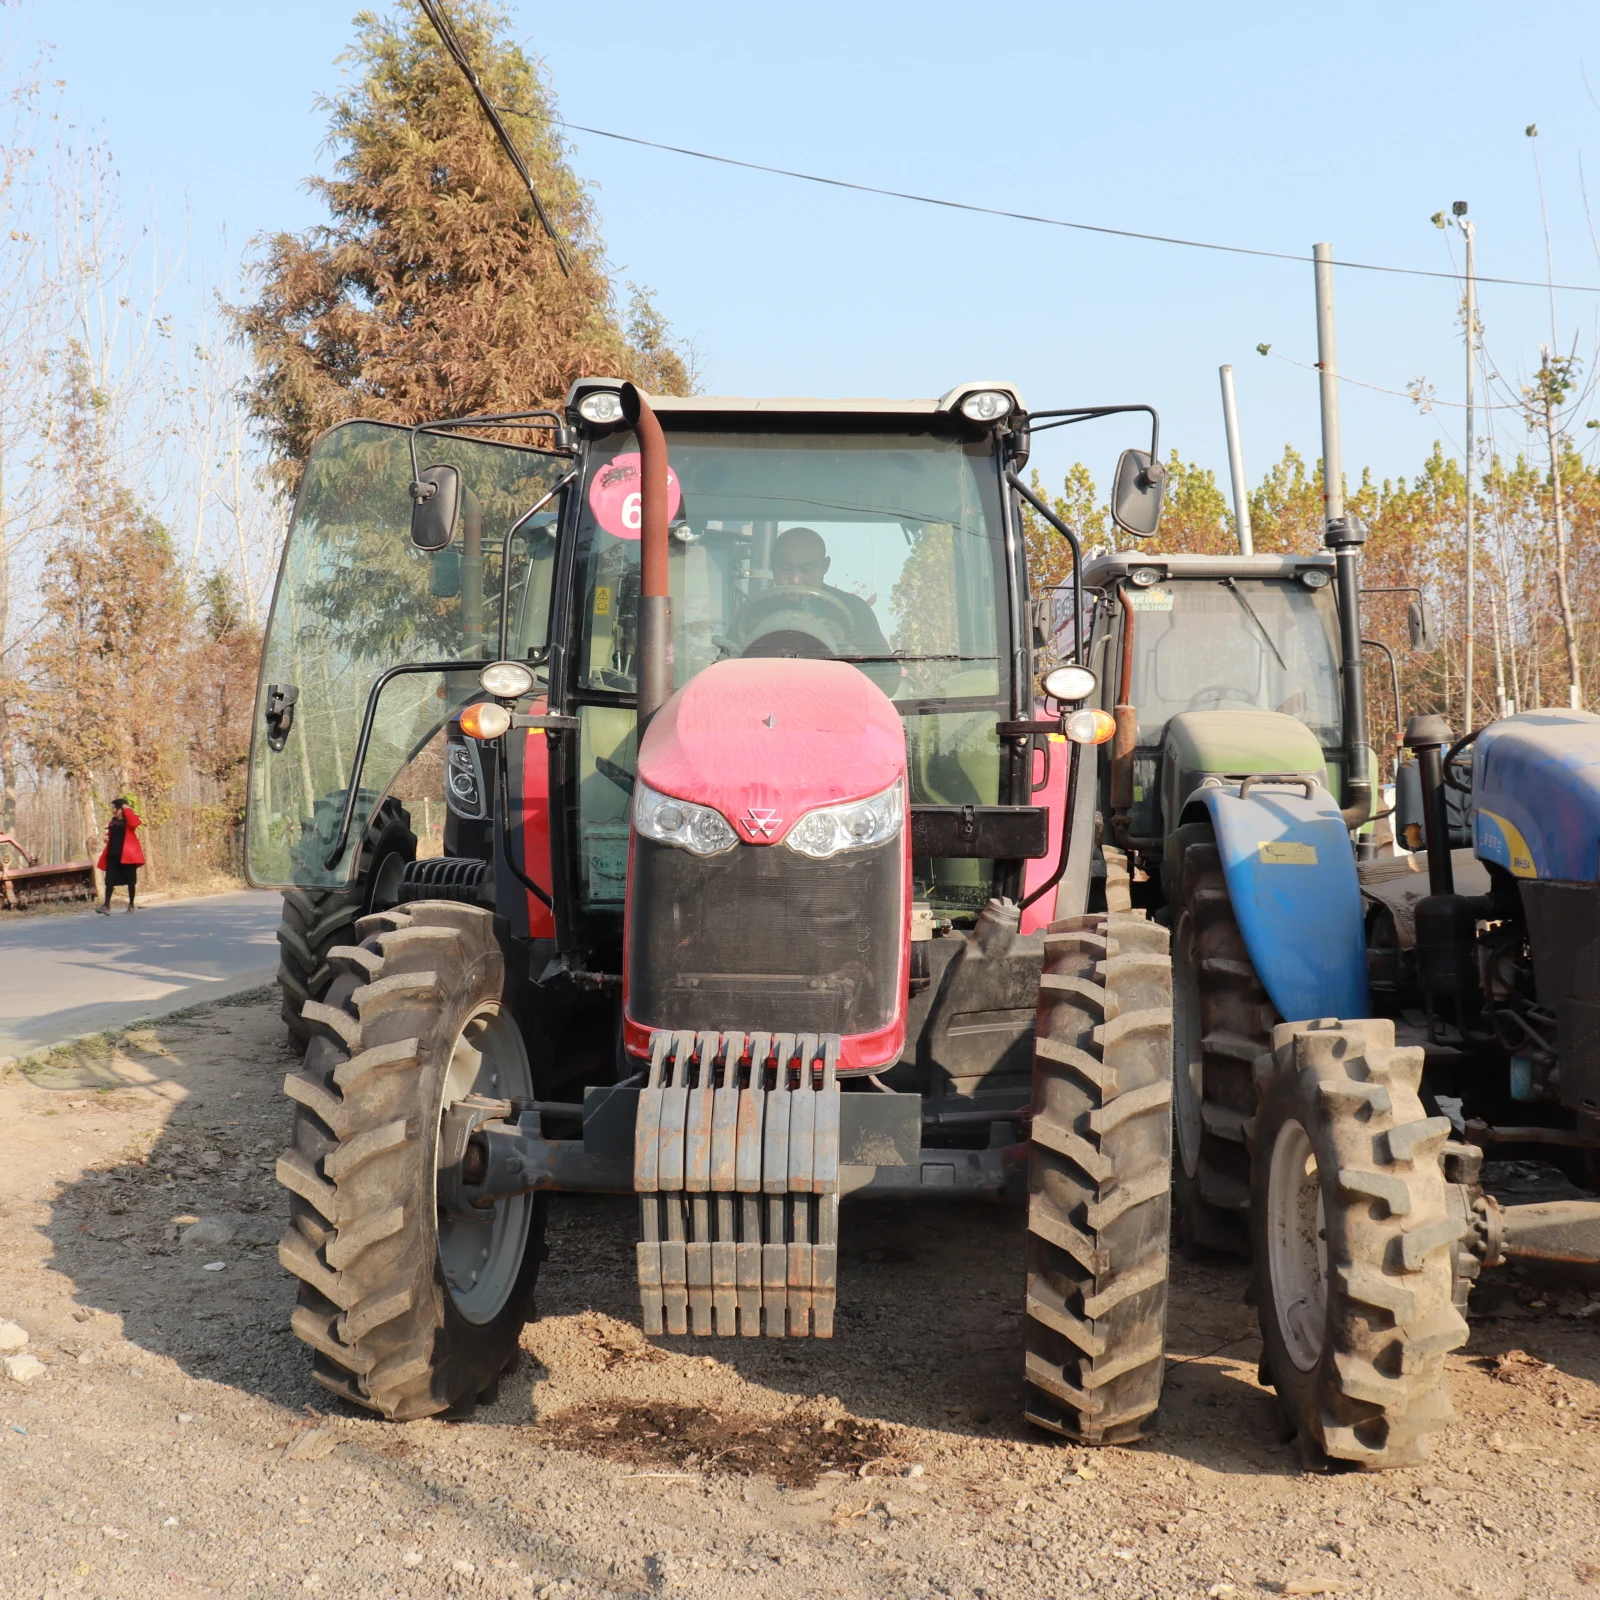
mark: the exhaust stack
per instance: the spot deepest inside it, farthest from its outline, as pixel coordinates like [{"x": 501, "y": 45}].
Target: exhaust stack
[{"x": 653, "y": 652}]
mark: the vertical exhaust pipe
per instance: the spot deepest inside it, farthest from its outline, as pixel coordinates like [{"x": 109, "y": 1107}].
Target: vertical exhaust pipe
[
  {"x": 653, "y": 650},
  {"x": 1344, "y": 535}
]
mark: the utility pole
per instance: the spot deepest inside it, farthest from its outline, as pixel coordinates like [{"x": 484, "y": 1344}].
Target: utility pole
[
  {"x": 1344, "y": 535},
  {"x": 1241, "y": 494},
  {"x": 1459, "y": 209}
]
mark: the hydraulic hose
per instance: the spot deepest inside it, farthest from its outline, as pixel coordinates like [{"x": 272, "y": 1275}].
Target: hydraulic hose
[{"x": 653, "y": 652}]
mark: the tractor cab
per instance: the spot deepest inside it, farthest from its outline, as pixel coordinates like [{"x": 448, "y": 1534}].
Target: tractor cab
[
  {"x": 1215, "y": 668},
  {"x": 879, "y": 534}
]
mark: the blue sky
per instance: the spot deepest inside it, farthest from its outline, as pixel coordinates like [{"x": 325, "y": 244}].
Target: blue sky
[{"x": 1265, "y": 125}]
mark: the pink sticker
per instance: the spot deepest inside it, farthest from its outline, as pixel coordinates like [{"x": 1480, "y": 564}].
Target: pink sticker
[{"x": 614, "y": 496}]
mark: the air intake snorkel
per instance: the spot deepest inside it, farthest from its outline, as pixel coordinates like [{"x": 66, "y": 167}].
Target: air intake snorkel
[{"x": 653, "y": 652}]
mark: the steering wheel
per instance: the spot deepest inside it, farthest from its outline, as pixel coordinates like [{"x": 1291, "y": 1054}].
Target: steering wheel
[
  {"x": 827, "y": 608},
  {"x": 1217, "y": 692}
]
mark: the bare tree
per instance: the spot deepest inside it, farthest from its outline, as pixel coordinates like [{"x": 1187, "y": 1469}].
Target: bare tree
[
  {"x": 1547, "y": 395},
  {"x": 26, "y": 329},
  {"x": 231, "y": 507}
]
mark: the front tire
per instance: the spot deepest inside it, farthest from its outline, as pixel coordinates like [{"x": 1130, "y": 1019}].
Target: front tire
[
  {"x": 1099, "y": 1180},
  {"x": 315, "y": 920},
  {"x": 1222, "y": 1020},
  {"x": 410, "y": 1311},
  {"x": 1351, "y": 1239}
]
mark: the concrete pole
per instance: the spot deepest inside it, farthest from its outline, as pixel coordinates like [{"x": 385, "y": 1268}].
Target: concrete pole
[
  {"x": 1472, "y": 553},
  {"x": 1241, "y": 493},
  {"x": 1328, "y": 383}
]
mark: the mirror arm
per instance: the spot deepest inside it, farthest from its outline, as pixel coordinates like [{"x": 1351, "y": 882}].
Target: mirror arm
[
  {"x": 505, "y": 557},
  {"x": 1077, "y": 553},
  {"x": 1394, "y": 683},
  {"x": 499, "y": 419},
  {"x": 1071, "y": 414}
]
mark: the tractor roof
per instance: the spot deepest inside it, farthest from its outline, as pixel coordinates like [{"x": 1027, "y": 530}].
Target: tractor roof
[
  {"x": 715, "y": 405},
  {"x": 1104, "y": 570}
]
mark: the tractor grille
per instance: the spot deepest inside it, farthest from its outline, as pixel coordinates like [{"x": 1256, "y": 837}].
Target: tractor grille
[{"x": 762, "y": 937}]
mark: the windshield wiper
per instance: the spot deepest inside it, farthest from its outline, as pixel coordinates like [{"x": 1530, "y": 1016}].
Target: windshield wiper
[
  {"x": 917, "y": 658},
  {"x": 1238, "y": 594}
]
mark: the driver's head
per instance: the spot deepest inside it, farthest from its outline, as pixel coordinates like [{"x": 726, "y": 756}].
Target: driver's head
[{"x": 799, "y": 557}]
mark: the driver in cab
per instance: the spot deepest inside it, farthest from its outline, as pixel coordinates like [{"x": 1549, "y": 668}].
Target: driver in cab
[
  {"x": 800, "y": 560},
  {"x": 844, "y": 625}
]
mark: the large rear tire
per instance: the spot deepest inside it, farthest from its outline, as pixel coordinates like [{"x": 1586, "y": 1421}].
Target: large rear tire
[
  {"x": 1099, "y": 1180},
  {"x": 409, "y": 1310},
  {"x": 1222, "y": 1020},
  {"x": 315, "y": 920},
  {"x": 1352, "y": 1241}
]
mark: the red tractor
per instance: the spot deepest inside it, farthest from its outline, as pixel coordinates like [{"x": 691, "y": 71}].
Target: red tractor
[{"x": 766, "y": 880}]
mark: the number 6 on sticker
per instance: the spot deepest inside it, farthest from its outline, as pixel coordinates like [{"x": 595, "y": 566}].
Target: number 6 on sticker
[{"x": 616, "y": 500}]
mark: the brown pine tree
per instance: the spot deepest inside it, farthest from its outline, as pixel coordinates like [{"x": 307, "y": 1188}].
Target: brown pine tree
[{"x": 433, "y": 289}]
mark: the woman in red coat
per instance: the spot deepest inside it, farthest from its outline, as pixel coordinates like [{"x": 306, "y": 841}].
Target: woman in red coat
[{"x": 122, "y": 856}]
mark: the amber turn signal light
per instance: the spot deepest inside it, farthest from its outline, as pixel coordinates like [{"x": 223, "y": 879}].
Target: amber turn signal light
[
  {"x": 1091, "y": 727},
  {"x": 485, "y": 720}
]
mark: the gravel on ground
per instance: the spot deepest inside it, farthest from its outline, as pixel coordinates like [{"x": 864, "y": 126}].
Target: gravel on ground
[{"x": 163, "y": 1434}]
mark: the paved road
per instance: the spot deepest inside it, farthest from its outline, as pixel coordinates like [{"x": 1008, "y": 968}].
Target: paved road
[{"x": 66, "y": 975}]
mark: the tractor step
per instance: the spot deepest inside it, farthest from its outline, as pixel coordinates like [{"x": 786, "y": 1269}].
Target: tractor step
[{"x": 736, "y": 1164}]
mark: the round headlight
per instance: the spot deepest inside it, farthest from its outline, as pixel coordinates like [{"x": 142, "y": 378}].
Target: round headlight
[
  {"x": 1070, "y": 683},
  {"x": 485, "y": 720},
  {"x": 600, "y": 405},
  {"x": 1091, "y": 727},
  {"x": 987, "y": 405},
  {"x": 1314, "y": 578},
  {"x": 506, "y": 680},
  {"x": 1145, "y": 576}
]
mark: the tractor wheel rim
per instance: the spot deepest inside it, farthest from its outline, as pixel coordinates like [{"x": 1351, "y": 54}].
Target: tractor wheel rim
[
  {"x": 1297, "y": 1245},
  {"x": 481, "y": 1261},
  {"x": 1188, "y": 1082}
]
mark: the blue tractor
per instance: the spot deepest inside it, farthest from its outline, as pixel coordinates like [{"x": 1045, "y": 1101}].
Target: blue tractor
[{"x": 1355, "y": 1024}]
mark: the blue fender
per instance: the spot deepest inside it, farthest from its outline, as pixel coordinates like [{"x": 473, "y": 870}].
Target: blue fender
[{"x": 1291, "y": 875}]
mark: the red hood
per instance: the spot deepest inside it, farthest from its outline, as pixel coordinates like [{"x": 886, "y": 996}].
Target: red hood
[{"x": 765, "y": 741}]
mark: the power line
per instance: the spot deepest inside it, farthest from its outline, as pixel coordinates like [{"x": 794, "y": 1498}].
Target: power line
[
  {"x": 447, "y": 37},
  {"x": 1049, "y": 222}
]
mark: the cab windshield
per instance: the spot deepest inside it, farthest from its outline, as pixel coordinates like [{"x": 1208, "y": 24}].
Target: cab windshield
[
  {"x": 881, "y": 550},
  {"x": 1235, "y": 643}
]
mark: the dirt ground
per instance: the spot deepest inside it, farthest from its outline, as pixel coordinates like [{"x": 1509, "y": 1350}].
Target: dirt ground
[{"x": 175, "y": 1443}]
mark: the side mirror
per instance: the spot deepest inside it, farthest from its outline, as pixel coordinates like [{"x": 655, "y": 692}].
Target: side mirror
[
  {"x": 1136, "y": 494},
  {"x": 1419, "y": 624},
  {"x": 435, "y": 505}
]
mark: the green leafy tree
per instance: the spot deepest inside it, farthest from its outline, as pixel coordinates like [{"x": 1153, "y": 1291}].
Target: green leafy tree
[
  {"x": 1078, "y": 505},
  {"x": 1194, "y": 512},
  {"x": 433, "y": 289},
  {"x": 1286, "y": 509}
]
